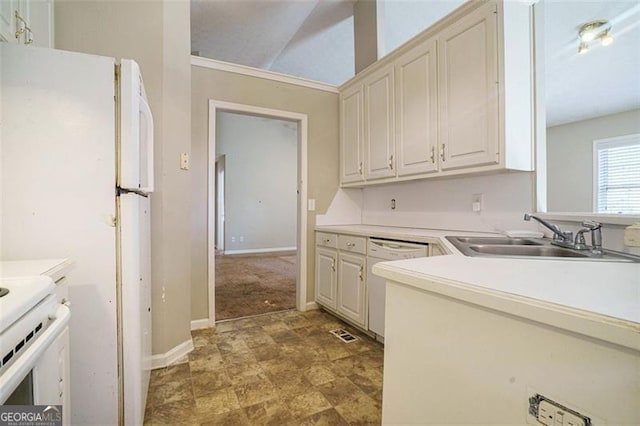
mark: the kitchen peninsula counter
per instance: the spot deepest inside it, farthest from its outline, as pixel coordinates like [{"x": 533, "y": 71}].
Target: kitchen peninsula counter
[
  {"x": 469, "y": 340},
  {"x": 596, "y": 298}
]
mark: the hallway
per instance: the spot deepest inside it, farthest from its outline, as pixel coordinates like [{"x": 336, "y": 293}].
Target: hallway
[{"x": 249, "y": 285}]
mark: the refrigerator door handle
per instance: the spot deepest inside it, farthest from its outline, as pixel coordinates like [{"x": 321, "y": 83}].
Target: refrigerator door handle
[{"x": 145, "y": 111}]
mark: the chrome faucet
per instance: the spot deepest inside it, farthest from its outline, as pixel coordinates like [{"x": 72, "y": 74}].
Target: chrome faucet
[
  {"x": 596, "y": 237},
  {"x": 560, "y": 238}
]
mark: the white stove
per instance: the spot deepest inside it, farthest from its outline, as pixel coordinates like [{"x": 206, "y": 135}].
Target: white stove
[
  {"x": 22, "y": 294},
  {"x": 31, "y": 320}
]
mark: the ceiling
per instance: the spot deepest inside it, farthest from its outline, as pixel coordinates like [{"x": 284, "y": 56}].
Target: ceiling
[
  {"x": 309, "y": 38},
  {"x": 313, "y": 39},
  {"x": 602, "y": 81}
]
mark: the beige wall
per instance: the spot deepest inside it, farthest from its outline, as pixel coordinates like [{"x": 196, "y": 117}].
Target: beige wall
[
  {"x": 156, "y": 34},
  {"x": 366, "y": 32},
  {"x": 570, "y": 158},
  {"x": 322, "y": 110}
]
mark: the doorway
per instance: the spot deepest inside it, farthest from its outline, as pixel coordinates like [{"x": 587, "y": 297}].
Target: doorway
[{"x": 257, "y": 257}]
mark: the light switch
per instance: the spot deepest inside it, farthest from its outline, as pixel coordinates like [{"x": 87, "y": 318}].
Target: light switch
[
  {"x": 311, "y": 204},
  {"x": 184, "y": 161},
  {"x": 476, "y": 202}
]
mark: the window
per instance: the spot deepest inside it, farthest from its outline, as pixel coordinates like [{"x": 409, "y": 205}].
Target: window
[{"x": 617, "y": 175}]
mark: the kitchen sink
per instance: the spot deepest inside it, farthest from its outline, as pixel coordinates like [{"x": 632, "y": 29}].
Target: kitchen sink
[
  {"x": 539, "y": 250},
  {"x": 530, "y": 248},
  {"x": 498, "y": 240}
]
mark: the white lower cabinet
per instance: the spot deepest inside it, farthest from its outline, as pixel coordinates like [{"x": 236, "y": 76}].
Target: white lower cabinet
[
  {"x": 340, "y": 275},
  {"x": 326, "y": 276},
  {"x": 352, "y": 288}
]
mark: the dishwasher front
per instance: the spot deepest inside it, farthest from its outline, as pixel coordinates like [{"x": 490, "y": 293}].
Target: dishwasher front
[{"x": 380, "y": 250}]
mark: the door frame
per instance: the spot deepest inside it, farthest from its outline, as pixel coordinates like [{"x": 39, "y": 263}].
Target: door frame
[{"x": 301, "y": 230}]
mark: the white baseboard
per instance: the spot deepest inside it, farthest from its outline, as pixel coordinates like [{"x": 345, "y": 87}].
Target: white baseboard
[
  {"x": 201, "y": 323},
  {"x": 172, "y": 355},
  {"x": 311, "y": 306},
  {"x": 264, "y": 250}
]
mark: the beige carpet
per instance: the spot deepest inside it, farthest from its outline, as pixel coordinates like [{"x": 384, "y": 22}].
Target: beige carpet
[{"x": 254, "y": 284}]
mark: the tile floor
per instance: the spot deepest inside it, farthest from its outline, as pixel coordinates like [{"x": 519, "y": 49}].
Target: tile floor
[{"x": 276, "y": 369}]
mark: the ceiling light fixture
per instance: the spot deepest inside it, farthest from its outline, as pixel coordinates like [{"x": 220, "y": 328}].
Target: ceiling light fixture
[
  {"x": 606, "y": 38},
  {"x": 583, "y": 48},
  {"x": 592, "y": 31}
]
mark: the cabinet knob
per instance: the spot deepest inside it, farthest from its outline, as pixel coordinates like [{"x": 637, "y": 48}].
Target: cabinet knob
[
  {"x": 360, "y": 168},
  {"x": 391, "y": 162},
  {"x": 442, "y": 152},
  {"x": 433, "y": 154}
]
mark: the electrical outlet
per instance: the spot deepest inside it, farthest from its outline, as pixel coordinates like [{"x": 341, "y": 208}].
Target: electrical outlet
[
  {"x": 233, "y": 239},
  {"x": 241, "y": 238}
]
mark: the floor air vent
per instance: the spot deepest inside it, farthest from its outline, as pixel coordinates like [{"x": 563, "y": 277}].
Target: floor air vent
[{"x": 344, "y": 335}]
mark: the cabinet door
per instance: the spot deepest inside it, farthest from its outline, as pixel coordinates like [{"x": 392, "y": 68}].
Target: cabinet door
[
  {"x": 37, "y": 16},
  {"x": 352, "y": 288},
  {"x": 326, "y": 284},
  {"x": 379, "y": 138},
  {"x": 351, "y": 130},
  {"x": 468, "y": 91},
  {"x": 41, "y": 22},
  {"x": 417, "y": 110},
  {"x": 8, "y": 20}
]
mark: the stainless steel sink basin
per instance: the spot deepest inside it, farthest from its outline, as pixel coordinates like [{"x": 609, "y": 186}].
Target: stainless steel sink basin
[
  {"x": 498, "y": 240},
  {"x": 532, "y": 248},
  {"x": 539, "y": 250}
]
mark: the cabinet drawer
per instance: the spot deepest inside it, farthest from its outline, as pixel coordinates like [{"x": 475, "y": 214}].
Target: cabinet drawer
[
  {"x": 326, "y": 240},
  {"x": 353, "y": 244}
]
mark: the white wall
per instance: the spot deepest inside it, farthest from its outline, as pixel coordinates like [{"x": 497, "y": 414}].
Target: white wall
[
  {"x": 261, "y": 174},
  {"x": 570, "y": 158},
  {"x": 446, "y": 204}
]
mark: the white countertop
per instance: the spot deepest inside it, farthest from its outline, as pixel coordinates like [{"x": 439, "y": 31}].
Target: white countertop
[
  {"x": 54, "y": 268},
  {"x": 421, "y": 235},
  {"x": 595, "y": 298}
]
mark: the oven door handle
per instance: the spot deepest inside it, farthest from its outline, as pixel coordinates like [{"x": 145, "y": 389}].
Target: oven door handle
[{"x": 12, "y": 377}]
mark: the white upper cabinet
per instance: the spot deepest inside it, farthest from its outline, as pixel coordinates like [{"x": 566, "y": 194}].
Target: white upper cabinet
[
  {"x": 351, "y": 138},
  {"x": 454, "y": 100},
  {"x": 8, "y": 20},
  {"x": 27, "y": 22},
  {"x": 379, "y": 144},
  {"x": 468, "y": 89},
  {"x": 417, "y": 110}
]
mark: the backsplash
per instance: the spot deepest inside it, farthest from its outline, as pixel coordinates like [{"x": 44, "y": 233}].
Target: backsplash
[{"x": 447, "y": 204}]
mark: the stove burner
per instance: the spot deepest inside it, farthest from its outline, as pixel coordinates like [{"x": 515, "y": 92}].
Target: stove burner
[{"x": 3, "y": 291}]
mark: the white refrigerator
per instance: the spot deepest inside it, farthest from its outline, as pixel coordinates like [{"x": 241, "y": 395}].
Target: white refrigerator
[{"x": 76, "y": 176}]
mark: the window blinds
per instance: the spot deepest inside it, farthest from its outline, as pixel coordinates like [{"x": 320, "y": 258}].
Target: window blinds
[{"x": 618, "y": 175}]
